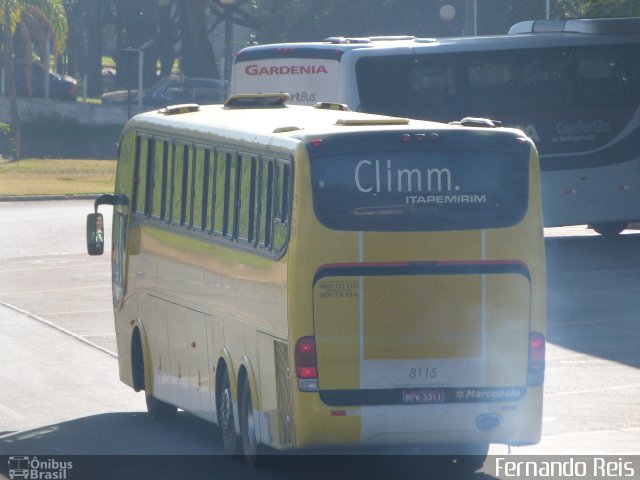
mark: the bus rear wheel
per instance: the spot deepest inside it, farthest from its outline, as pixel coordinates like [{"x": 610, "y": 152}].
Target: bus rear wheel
[
  {"x": 253, "y": 452},
  {"x": 609, "y": 229},
  {"x": 224, "y": 406},
  {"x": 159, "y": 410}
]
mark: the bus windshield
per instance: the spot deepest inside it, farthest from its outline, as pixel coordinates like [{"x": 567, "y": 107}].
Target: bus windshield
[{"x": 420, "y": 190}]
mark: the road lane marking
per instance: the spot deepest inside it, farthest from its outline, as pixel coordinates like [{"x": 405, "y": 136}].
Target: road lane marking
[
  {"x": 54, "y": 267},
  {"x": 8, "y": 412},
  {"x": 102, "y": 310},
  {"x": 59, "y": 328},
  {"x": 50, "y": 290}
]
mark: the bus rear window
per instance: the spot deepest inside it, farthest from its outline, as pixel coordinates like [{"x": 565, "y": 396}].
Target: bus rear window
[{"x": 420, "y": 190}]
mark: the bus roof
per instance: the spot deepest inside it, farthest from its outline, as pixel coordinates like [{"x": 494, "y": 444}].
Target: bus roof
[
  {"x": 541, "y": 33},
  {"x": 584, "y": 25},
  {"x": 285, "y": 125}
]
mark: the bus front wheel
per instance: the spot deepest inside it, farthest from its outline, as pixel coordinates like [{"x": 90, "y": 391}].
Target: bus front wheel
[
  {"x": 609, "y": 229},
  {"x": 225, "y": 417}
]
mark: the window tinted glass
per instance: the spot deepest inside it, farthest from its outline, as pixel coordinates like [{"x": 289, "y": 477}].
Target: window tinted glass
[
  {"x": 159, "y": 179},
  {"x": 142, "y": 152},
  {"x": 180, "y": 184},
  {"x": 199, "y": 181},
  {"x": 281, "y": 204},
  {"x": 487, "y": 83},
  {"x": 247, "y": 198},
  {"x": 220, "y": 174},
  {"x": 408, "y": 191},
  {"x": 265, "y": 202}
]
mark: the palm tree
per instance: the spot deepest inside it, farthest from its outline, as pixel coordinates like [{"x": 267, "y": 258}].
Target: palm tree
[{"x": 38, "y": 22}]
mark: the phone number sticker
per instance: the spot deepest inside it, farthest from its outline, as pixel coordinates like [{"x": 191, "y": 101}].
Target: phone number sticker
[{"x": 339, "y": 289}]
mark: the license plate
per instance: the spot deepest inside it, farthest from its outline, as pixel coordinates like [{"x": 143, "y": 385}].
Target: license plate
[{"x": 423, "y": 395}]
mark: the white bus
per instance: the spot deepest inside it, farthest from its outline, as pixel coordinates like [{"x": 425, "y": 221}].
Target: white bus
[{"x": 573, "y": 86}]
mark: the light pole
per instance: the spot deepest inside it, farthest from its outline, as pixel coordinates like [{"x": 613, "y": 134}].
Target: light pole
[{"x": 228, "y": 42}]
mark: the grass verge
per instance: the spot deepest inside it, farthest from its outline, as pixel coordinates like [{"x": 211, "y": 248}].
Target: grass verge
[{"x": 56, "y": 177}]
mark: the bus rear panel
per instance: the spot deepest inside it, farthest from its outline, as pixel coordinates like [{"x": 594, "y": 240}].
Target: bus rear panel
[{"x": 425, "y": 275}]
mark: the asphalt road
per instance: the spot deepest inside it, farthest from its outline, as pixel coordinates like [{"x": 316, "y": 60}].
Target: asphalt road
[{"x": 59, "y": 387}]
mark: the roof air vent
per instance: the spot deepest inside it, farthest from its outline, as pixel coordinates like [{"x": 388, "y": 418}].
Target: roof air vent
[{"x": 257, "y": 100}]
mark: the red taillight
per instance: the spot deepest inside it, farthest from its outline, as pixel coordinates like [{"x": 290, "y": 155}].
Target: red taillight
[
  {"x": 536, "y": 359},
  {"x": 305, "y": 358}
]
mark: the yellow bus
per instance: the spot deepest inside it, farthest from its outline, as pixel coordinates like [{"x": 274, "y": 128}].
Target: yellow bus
[{"x": 313, "y": 277}]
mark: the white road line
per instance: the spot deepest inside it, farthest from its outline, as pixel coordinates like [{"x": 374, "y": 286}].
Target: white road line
[
  {"x": 31, "y": 292},
  {"x": 52, "y": 267},
  {"x": 59, "y": 328},
  {"x": 78, "y": 311},
  {"x": 8, "y": 412}
]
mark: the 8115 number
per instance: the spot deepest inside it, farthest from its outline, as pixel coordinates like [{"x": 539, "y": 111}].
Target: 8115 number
[{"x": 423, "y": 372}]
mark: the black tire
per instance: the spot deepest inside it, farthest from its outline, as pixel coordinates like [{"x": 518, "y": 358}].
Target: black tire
[
  {"x": 609, "y": 229},
  {"x": 224, "y": 405},
  {"x": 159, "y": 410},
  {"x": 253, "y": 451}
]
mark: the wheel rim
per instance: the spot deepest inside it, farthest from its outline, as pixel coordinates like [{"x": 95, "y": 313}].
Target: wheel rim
[
  {"x": 250, "y": 425},
  {"x": 226, "y": 414}
]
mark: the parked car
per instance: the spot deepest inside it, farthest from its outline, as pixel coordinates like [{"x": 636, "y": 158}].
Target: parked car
[
  {"x": 173, "y": 90},
  {"x": 61, "y": 87}
]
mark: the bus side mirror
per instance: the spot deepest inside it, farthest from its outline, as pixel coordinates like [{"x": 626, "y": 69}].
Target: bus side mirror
[{"x": 95, "y": 234}]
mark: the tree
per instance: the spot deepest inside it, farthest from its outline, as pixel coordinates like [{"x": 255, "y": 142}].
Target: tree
[
  {"x": 199, "y": 18},
  {"x": 599, "y": 8},
  {"x": 9, "y": 19},
  {"x": 84, "y": 48},
  {"x": 36, "y": 21},
  {"x": 198, "y": 59}
]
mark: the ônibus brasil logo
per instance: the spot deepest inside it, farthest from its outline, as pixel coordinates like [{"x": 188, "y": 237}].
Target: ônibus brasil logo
[{"x": 38, "y": 469}]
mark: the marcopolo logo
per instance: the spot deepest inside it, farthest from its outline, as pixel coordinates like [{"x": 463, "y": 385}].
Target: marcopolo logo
[{"x": 38, "y": 469}]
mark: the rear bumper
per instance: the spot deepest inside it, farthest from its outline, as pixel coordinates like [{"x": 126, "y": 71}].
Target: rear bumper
[{"x": 431, "y": 425}]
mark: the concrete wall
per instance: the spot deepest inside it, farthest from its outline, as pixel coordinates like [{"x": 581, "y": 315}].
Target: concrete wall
[
  {"x": 40, "y": 110},
  {"x": 59, "y": 129}
]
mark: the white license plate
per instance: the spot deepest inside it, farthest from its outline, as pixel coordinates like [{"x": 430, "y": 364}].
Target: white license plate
[{"x": 423, "y": 395}]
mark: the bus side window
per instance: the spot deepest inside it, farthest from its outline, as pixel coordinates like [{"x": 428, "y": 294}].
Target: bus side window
[
  {"x": 247, "y": 198},
  {"x": 218, "y": 193},
  {"x": 141, "y": 181},
  {"x": 230, "y": 182},
  {"x": 187, "y": 184},
  {"x": 201, "y": 188},
  {"x": 158, "y": 174},
  {"x": 192, "y": 185},
  {"x": 180, "y": 183},
  {"x": 282, "y": 205},
  {"x": 265, "y": 202}
]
